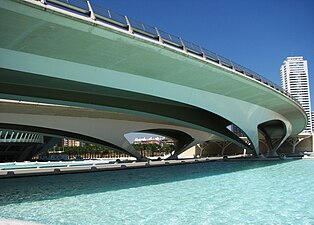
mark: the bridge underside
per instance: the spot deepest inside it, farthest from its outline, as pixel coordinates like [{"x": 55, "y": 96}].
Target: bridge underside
[
  {"x": 166, "y": 105},
  {"x": 104, "y": 127},
  {"x": 121, "y": 80}
]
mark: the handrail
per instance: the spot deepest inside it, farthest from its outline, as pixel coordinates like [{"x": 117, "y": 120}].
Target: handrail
[
  {"x": 21, "y": 137},
  {"x": 104, "y": 15}
]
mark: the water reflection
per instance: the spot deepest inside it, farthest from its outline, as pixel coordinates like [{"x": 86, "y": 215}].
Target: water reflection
[{"x": 26, "y": 189}]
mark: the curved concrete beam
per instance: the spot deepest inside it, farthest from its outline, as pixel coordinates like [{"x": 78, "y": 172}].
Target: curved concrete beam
[
  {"x": 112, "y": 99},
  {"x": 96, "y": 126}
]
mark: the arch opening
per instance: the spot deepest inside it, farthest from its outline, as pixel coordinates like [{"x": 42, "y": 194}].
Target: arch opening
[
  {"x": 271, "y": 135},
  {"x": 168, "y": 143},
  {"x": 91, "y": 146}
]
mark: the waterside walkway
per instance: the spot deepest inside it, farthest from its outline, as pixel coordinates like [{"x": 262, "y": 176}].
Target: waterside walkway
[{"x": 57, "y": 170}]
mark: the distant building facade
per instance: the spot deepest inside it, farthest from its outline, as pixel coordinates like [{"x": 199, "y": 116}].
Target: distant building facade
[
  {"x": 69, "y": 143},
  {"x": 313, "y": 121},
  {"x": 154, "y": 140},
  {"x": 295, "y": 79}
]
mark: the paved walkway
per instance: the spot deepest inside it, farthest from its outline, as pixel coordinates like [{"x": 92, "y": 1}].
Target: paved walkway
[
  {"x": 93, "y": 168},
  {"x": 16, "y": 222},
  {"x": 57, "y": 170}
]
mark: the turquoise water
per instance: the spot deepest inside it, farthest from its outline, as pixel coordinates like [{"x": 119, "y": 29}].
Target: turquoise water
[{"x": 208, "y": 193}]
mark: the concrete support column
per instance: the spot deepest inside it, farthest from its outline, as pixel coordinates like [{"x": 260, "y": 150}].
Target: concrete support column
[
  {"x": 201, "y": 149},
  {"x": 253, "y": 136},
  {"x": 129, "y": 148},
  {"x": 294, "y": 141},
  {"x": 269, "y": 150},
  {"x": 223, "y": 145},
  {"x": 281, "y": 142}
]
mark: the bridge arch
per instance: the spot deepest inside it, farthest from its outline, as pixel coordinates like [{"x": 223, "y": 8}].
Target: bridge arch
[
  {"x": 109, "y": 127},
  {"x": 275, "y": 133},
  {"x": 182, "y": 139},
  {"x": 63, "y": 133}
]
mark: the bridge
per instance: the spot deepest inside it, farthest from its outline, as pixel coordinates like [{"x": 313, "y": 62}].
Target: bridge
[{"x": 98, "y": 75}]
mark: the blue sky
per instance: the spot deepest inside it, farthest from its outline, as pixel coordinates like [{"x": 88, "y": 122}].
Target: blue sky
[{"x": 257, "y": 34}]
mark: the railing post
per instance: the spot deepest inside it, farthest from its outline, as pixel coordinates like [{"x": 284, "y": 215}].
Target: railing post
[
  {"x": 32, "y": 137},
  {"x": 12, "y": 134},
  {"x": 231, "y": 64},
  {"x": 5, "y": 137},
  {"x": 17, "y": 135},
  {"x": 129, "y": 24},
  {"x": 245, "y": 71},
  {"x": 219, "y": 61},
  {"x": 159, "y": 37},
  {"x": 203, "y": 53},
  {"x": 27, "y": 138},
  {"x": 20, "y": 140},
  {"x": 24, "y": 137},
  {"x": 92, "y": 15},
  {"x": 183, "y": 46}
]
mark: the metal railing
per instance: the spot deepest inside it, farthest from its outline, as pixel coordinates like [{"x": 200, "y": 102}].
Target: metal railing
[
  {"x": 106, "y": 16},
  {"x": 20, "y": 137}
]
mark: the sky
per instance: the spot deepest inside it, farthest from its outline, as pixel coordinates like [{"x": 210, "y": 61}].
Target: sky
[{"x": 256, "y": 34}]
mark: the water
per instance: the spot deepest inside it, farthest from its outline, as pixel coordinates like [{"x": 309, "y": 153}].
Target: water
[{"x": 209, "y": 193}]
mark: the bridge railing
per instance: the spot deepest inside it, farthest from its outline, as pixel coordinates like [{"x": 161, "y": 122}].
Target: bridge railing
[
  {"x": 211, "y": 55},
  {"x": 109, "y": 17},
  {"x": 193, "y": 48},
  {"x": 80, "y": 6},
  {"x": 20, "y": 137},
  {"x": 171, "y": 39},
  {"x": 143, "y": 29}
]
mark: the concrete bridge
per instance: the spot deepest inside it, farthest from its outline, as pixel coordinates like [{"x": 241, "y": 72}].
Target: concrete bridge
[{"x": 79, "y": 58}]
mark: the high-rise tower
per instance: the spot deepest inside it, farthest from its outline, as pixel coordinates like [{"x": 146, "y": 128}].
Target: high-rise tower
[
  {"x": 295, "y": 79},
  {"x": 313, "y": 122}
]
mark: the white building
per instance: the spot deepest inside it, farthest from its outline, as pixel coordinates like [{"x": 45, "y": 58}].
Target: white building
[
  {"x": 295, "y": 79},
  {"x": 153, "y": 140},
  {"x": 313, "y": 123},
  {"x": 71, "y": 143}
]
